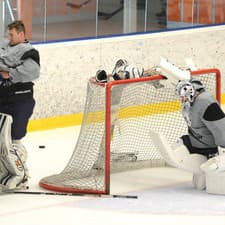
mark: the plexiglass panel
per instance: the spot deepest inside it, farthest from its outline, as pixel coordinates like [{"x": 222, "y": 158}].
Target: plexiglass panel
[{"x": 67, "y": 19}]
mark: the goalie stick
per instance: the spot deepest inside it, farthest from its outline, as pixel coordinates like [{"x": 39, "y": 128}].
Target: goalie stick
[
  {"x": 104, "y": 15},
  {"x": 107, "y": 16},
  {"x": 69, "y": 194},
  {"x": 77, "y": 6}
]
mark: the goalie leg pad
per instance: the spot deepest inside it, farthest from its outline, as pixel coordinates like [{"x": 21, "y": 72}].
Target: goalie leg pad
[
  {"x": 199, "y": 181},
  {"x": 187, "y": 161},
  {"x": 214, "y": 169},
  {"x": 22, "y": 154},
  {"x": 3, "y": 171},
  {"x": 215, "y": 183},
  {"x": 178, "y": 155},
  {"x": 9, "y": 157},
  {"x": 215, "y": 164}
]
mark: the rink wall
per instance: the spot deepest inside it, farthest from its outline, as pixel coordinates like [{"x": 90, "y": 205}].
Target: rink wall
[{"x": 66, "y": 66}]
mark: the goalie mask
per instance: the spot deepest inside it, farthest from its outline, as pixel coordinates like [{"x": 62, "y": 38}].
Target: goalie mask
[
  {"x": 185, "y": 91},
  {"x": 197, "y": 85}
]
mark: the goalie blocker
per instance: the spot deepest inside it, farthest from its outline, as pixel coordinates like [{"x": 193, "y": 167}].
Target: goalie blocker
[{"x": 13, "y": 170}]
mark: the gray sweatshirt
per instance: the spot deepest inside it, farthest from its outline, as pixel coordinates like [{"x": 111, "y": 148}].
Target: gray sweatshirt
[
  {"x": 206, "y": 122},
  {"x": 21, "y": 61}
]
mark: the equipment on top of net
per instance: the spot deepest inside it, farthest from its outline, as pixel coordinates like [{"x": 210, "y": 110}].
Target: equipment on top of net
[
  {"x": 101, "y": 76},
  {"x": 173, "y": 73}
]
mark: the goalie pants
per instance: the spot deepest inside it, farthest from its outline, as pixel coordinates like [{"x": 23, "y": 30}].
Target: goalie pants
[
  {"x": 20, "y": 111},
  {"x": 208, "y": 152}
]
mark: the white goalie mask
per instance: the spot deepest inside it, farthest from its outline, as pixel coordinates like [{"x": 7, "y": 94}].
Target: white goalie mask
[{"x": 185, "y": 89}]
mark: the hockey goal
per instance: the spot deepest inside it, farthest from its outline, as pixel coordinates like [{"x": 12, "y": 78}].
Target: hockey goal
[{"x": 114, "y": 134}]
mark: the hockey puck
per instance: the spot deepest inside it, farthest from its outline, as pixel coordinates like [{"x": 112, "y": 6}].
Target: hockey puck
[{"x": 41, "y": 146}]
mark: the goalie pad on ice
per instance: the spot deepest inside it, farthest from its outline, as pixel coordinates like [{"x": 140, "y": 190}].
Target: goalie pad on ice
[
  {"x": 9, "y": 157},
  {"x": 178, "y": 157},
  {"x": 214, "y": 169},
  {"x": 3, "y": 171},
  {"x": 215, "y": 164},
  {"x": 215, "y": 183}
]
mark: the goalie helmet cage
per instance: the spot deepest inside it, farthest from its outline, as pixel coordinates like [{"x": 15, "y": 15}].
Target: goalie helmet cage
[{"x": 114, "y": 131}]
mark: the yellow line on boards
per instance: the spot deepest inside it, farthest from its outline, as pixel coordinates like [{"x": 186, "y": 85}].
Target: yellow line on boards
[
  {"x": 222, "y": 99},
  {"x": 93, "y": 117},
  {"x": 55, "y": 122},
  {"x": 96, "y": 117}
]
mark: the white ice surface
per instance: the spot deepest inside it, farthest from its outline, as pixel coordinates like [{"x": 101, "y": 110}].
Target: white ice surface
[{"x": 165, "y": 195}]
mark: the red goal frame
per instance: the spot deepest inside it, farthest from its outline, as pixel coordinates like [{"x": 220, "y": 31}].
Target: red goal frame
[
  {"x": 108, "y": 87},
  {"x": 144, "y": 79}
]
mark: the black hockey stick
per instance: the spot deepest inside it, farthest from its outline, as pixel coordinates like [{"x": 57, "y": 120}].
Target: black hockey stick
[
  {"x": 70, "y": 194},
  {"x": 77, "y": 6},
  {"x": 107, "y": 16}
]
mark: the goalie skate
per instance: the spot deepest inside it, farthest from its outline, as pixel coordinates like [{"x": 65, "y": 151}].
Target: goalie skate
[
  {"x": 22, "y": 186},
  {"x": 118, "y": 157},
  {"x": 124, "y": 156}
]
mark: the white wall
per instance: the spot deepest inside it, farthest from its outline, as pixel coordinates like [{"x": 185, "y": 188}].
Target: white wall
[{"x": 66, "y": 67}]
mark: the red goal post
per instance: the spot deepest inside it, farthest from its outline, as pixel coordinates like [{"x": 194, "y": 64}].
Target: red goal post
[{"x": 114, "y": 131}]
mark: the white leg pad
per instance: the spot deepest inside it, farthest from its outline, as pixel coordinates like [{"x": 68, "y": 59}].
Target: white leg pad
[
  {"x": 199, "y": 181},
  {"x": 3, "y": 171},
  {"x": 215, "y": 183},
  {"x": 9, "y": 156},
  {"x": 215, "y": 164},
  {"x": 179, "y": 156}
]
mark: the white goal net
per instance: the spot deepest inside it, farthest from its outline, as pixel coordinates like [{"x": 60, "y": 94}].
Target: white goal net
[{"x": 115, "y": 135}]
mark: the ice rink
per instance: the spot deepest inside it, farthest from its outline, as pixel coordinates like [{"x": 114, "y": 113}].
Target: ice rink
[{"x": 165, "y": 195}]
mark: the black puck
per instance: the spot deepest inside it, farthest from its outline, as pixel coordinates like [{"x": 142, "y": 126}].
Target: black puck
[{"x": 41, "y": 146}]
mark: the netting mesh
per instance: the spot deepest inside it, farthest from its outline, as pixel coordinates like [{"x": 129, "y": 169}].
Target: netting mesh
[{"x": 136, "y": 108}]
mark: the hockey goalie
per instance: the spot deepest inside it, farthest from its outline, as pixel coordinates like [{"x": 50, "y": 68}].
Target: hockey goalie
[{"x": 201, "y": 151}]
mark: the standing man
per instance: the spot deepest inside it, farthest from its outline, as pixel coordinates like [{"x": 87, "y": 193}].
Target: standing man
[{"x": 19, "y": 67}]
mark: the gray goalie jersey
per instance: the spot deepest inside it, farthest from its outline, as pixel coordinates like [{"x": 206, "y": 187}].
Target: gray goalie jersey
[
  {"x": 21, "y": 61},
  {"x": 206, "y": 122}
]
